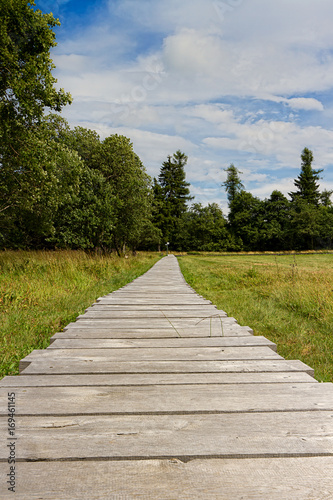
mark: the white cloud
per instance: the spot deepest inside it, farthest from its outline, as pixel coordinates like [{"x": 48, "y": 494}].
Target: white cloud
[
  {"x": 282, "y": 140},
  {"x": 285, "y": 185},
  {"x": 299, "y": 103},
  {"x": 191, "y": 52},
  {"x": 309, "y": 104},
  {"x": 209, "y": 82},
  {"x": 212, "y": 113}
]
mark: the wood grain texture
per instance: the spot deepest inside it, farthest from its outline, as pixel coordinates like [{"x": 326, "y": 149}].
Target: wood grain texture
[
  {"x": 157, "y": 353},
  {"x": 157, "y": 399},
  {"x": 75, "y": 366},
  {"x": 167, "y": 436},
  {"x": 153, "y": 333},
  {"x": 155, "y": 379},
  {"x": 249, "y": 341},
  {"x": 307, "y": 478}
]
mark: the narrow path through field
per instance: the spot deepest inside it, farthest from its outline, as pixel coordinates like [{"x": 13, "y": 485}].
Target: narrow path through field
[{"x": 156, "y": 394}]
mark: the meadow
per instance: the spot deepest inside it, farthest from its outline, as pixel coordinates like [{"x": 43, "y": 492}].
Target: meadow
[
  {"x": 41, "y": 292},
  {"x": 286, "y": 298}
]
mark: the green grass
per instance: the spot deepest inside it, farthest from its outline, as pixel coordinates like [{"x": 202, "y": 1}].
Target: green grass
[
  {"x": 41, "y": 292},
  {"x": 286, "y": 298}
]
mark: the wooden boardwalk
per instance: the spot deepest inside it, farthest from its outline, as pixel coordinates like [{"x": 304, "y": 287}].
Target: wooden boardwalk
[{"x": 156, "y": 394}]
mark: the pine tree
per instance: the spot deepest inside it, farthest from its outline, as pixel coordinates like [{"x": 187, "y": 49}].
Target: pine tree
[
  {"x": 306, "y": 182},
  {"x": 171, "y": 194},
  {"x": 233, "y": 184}
]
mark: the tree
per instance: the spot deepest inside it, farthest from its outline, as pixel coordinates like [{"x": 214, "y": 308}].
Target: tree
[
  {"x": 233, "y": 184},
  {"x": 246, "y": 220},
  {"x": 87, "y": 143},
  {"x": 304, "y": 224},
  {"x": 27, "y": 87},
  {"x": 204, "y": 229},
  {"x": 131, "y": 185},
  {"x": 171, "y": 193},
  {"x": 325, "y": 221},
  {"x": 87, "y": 219},
  {"x": 325, "y": 198},
  {"x": 47, "y": 175},
  {"x": 277, "y": 214},
  {"x": 306, "y": 182},
  {"x": 26, "y": 81}
]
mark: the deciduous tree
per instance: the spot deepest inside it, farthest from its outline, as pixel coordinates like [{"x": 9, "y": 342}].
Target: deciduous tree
[{"x": 27, "y": 87}]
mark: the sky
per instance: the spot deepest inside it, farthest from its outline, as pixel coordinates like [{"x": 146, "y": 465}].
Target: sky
[{"x": 248, "y": 82}]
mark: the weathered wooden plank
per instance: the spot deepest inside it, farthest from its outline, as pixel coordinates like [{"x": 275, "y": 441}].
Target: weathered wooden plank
[
  {"x": 154, "y": 354},
  {"x": 179, "y": 399},
  {"x": 249, "y": 341},
  {"x": 168, "y": 436},
  {"x": 60, "y": 367},
  {"x": 122, "y": 324},
  {"x": 101, "y": 314},
  {"x": 201, "y": 308},
  {"x": 307, "y": 478},
  {"x": 156, "y": 290},
  {"x": 167, "y": 300},
  {"x": 147, "y": 323},
  {"x": 105, "y": 333},
  {"x": 152, "y": 307},
  {"x": 155, "y": 378}
]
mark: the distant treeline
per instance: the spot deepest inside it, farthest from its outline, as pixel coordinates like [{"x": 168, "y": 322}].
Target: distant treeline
[
  {"x": 302, "y": 222},
  {"x": 67, "y": 188}
]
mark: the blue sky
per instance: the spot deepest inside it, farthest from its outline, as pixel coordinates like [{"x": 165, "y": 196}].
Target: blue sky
[{"x": 248, "y": 82}]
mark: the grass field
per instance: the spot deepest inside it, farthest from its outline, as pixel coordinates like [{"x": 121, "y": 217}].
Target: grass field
[
  {"x": 286, "y": 298},
  {"x": 41, "y": 292}
]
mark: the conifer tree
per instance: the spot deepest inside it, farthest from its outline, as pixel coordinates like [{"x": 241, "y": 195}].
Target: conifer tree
[
  {"x": 171, "y": 194},
  {"x": 233, "y": 184},
  {"x": 306, "y": 182}
]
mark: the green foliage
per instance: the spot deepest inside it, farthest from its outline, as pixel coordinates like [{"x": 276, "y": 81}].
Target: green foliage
[
  {"x": 87, "y": 220},
  {"x": 30, "y": 190},
  {"x": 26, "y": 81},
  {"x": 203, "y": 229},
  {"x": 276, "y": 223},
  {"x": 123, "y": 169},
  {"x": 46, "y": 176},
  {"x": 277, "y": 216},
  {"x": 70, "y": 190},
  {"x": 246, "y": 219}
]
